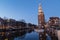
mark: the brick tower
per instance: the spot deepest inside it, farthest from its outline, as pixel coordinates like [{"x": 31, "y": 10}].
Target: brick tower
[{"x": 41, "y": 18}]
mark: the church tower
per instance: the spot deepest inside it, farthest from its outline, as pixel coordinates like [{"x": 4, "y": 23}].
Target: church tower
[{"x": 41, "y": 18}]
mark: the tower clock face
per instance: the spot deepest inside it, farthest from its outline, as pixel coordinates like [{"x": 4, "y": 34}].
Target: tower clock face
[{"x": 40, "y": 21}]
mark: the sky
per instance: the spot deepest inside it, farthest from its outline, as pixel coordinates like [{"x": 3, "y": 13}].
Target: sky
[{"x": 28, "y": 9}]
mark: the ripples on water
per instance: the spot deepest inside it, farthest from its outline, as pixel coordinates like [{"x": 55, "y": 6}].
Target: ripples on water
[{"x": 28, "y": 36}]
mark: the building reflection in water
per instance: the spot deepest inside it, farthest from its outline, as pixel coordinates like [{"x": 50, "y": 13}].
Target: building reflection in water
[
  {"x": 28, "y": 36},
  {"x": 13, "y": 35}
]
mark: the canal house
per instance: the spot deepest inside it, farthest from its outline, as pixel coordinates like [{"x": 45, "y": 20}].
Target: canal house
[{"x": 1, "y": 23}]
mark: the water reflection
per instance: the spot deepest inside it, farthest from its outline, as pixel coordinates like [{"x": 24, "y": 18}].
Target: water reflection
[{"x": 28, "y": 36}]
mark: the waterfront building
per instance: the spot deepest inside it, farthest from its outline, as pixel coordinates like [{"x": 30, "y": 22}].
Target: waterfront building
[
  {"x": 54, "y": 21},
  {"x": 57, "y": 32},
  {"x": 11, "y": 22},
  {"x": 1, "y": 23},
  {"x": 20, "y": 24},
  {"x": 41, "y": 17}
]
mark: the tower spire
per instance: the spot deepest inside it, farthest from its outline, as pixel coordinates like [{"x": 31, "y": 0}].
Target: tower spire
[{"x": 40, "y": 11}]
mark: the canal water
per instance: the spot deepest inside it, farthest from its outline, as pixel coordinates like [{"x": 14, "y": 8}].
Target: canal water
[{"x": 30, "y": 36}]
